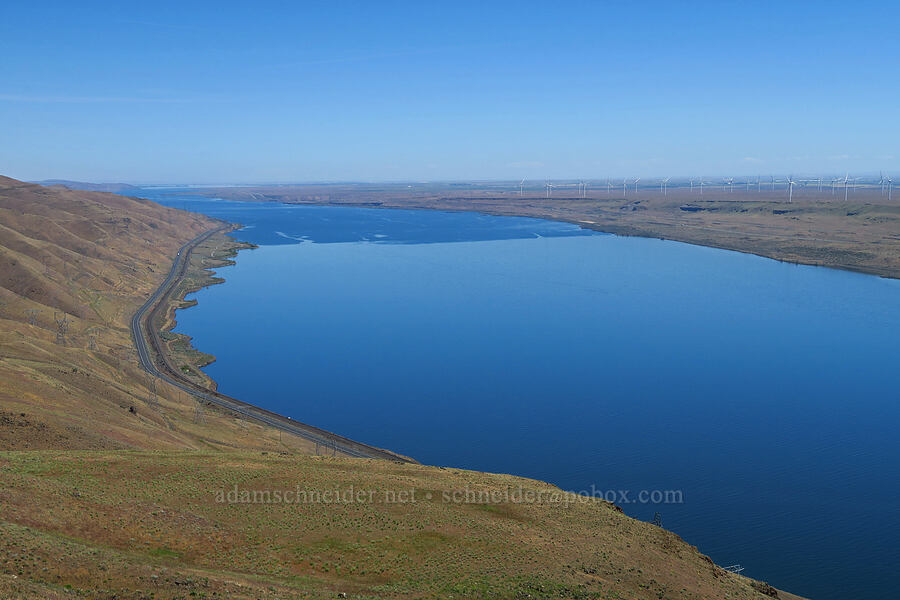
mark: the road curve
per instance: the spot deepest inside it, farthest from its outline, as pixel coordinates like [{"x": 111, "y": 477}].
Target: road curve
[{"x": 148, "y": 345}]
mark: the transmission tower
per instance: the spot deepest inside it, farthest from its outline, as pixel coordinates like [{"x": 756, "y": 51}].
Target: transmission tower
[
  {"x": 152, "y": 400},
  {"x": 199, "y": 414},
  {"x": 92, "y": 338},
  {"x": 62, "y": 327},
  {"x": 32, "y": 314}
]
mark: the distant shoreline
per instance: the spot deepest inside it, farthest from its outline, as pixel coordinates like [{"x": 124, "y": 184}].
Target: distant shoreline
[{"x": 861, "y": 235}]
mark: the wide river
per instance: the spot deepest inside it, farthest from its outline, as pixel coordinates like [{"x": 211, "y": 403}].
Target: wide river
[{"x": 752, "y": 404}]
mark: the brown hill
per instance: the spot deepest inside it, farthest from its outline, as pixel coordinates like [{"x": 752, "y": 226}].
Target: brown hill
[{"x": 90, "y": 259}]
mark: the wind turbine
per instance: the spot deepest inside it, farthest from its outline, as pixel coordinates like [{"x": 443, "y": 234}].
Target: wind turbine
[
  {"x": 635, "y": 185},
  {"x": 890, "y": 188},
  {"x": 583, "y": 188},
  {"x": 834, "y": 181},
  {"x": 757, "y": 184},
  {"x": 522, "y": 187},
  {"x": 701, "y": 185},
  {"x": 625, "y": 186},
  {"x": 846, "y": 187},
  {"x": 549, "y": 187},
  {"x": 791, "y": 182},
  {"x": 608, "y": 186},
  {"x": 773, "y": 182},
  {"x": 692, "y": 184},
  {"x": 665, "y": 186}
]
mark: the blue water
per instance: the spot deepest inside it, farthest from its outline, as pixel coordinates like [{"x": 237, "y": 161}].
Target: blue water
[{"x": 766, "y": 393}]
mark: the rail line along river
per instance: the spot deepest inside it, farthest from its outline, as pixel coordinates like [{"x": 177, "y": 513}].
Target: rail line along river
[{"x": 752, "y": 404}]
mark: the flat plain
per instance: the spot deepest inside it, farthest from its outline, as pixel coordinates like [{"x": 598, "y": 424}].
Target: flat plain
[{"x": 819, "y": 227}]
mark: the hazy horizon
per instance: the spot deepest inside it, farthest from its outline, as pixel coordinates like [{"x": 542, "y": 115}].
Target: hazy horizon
[{"x": 867, "y": 177}]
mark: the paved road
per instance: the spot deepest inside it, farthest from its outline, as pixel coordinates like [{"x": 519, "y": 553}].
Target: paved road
[{"x": 148, "y": 347}]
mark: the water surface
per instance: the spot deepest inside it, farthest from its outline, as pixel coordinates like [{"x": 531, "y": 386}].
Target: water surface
[{"x": 765, "y": 392}]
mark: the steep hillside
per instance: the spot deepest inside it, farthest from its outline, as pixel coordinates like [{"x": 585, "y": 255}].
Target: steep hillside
[{"x": 79, "y": 263}]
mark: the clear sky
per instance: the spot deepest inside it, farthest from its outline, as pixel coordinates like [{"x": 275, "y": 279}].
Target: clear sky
[{"x": 315, "y": 91}]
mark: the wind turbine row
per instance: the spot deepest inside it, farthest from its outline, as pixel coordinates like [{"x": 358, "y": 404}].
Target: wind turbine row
[{"x": 698, "y": 184}]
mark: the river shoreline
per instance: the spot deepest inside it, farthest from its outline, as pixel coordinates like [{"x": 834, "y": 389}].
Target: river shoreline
[
  {"x": 178, "y": 365},
  {"x": 861, "y": 235},
  {"x": 218, "y": 251}
]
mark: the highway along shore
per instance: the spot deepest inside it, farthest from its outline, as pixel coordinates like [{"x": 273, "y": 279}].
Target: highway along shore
[{"x": 170, "y": 358}]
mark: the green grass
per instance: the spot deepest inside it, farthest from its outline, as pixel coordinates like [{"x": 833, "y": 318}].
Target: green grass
[{"x": 120, "y": 521}]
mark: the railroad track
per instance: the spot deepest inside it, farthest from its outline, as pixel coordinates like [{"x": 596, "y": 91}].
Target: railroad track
[{"x": 155, "y": 362}]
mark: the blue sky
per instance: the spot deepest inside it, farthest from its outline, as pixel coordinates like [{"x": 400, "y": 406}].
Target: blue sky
[{"x": 318, "y": 91}]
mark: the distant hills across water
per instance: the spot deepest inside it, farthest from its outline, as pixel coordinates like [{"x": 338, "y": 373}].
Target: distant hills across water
[{"x": 116, "y": 188}]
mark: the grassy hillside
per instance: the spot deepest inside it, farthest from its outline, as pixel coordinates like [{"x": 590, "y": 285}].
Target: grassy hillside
[
  {"x": 93, "y": 258},
  {"x": 110, "y": 491},
  {"x": 128, "y": 524}
]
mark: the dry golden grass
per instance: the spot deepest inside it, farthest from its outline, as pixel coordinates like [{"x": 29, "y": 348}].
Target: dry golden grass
[{"x": 95, "y": 257}]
